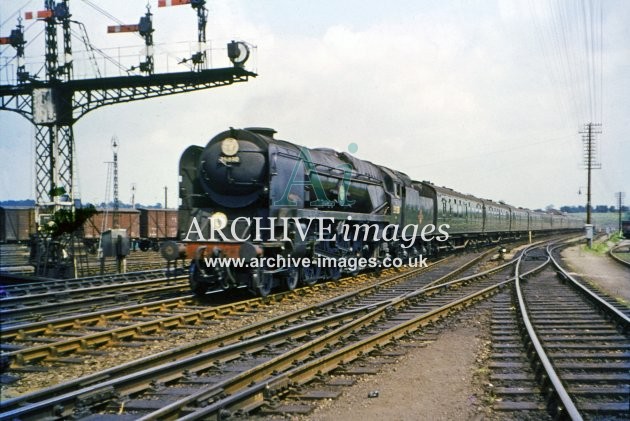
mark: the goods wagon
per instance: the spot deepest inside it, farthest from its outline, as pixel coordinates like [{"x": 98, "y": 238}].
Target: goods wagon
[
  {"x": 128, "y": 219},
  {"x": 158, "y": 223},
  {"x": 17, "y": 223}
]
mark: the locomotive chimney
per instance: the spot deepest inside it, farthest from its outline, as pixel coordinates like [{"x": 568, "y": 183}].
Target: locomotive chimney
[{"x": 265, "y": 131}]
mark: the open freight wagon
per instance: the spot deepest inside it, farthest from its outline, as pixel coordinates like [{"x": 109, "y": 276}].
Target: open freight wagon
[{"x": 145, "y": 227}]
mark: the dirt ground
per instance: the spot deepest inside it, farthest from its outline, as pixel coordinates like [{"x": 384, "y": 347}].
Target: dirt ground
[
  {"x": 428, "y": 383},
  {"x": 601, "y": 270}
]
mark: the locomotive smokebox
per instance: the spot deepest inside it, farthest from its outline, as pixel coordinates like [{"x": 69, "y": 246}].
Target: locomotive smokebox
[{"x": 233, "y": 167}]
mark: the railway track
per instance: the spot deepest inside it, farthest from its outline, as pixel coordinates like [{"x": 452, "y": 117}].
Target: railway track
[
  {"x": 25, "y": 343},
  {"x": 621, "y": 254},
  {"x": 13, "y": 255},
  {"x": 225, "y": 366},
  {"x": 36, "y": 307},
  {"x": 14, "y": 260},
  {"x": 47, "y": 340},
  {"x": 560, "y": 351},
  {"x": 50, "y": 285}
]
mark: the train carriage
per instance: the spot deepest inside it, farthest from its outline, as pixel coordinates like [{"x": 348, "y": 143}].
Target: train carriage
[
  {"x": 546, "y": 221},
  {"x": 156, "y": 225},
  {"x": 558, "y": 220},
  {"x": 496, "y": 217},
  {"x": 519, "y": 221},
  {"x": 536, "y": 221},
  {"x": 420, "y": 197},
  {"x": 463, "y": 213}
]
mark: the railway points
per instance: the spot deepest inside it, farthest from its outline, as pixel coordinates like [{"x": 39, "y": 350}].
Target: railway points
[
  {"x": 148, "y": 323},
  {"x": 406, "y": 314},
  {"x": 335, "y": 303}
]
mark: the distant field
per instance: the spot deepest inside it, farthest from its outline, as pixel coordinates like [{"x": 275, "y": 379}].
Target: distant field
[{"x": 602, "y": 220}]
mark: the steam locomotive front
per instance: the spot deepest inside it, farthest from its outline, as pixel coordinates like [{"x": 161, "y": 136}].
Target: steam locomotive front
[
  {"x": 224, "y": 183},
  {"x": 233, "y": 168},
  {"x": 222, "y": 187}
]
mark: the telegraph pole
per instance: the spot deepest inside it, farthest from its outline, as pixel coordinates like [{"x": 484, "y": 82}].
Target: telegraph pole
[
  {"x": 115, "y": 216},
  {"x": 590, "y": 161},
  {"x": 133, "y": 195}
]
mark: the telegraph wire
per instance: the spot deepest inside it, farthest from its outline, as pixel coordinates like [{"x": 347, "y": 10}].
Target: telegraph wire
[{"x": 17, "y": 12}]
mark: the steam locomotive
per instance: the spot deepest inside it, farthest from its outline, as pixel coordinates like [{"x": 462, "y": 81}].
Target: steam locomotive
[{"x": 248, "y": 198}]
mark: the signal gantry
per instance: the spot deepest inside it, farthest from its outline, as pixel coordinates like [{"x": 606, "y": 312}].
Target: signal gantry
[
  {"x": 54, "y": 103},
  {"x": 57, "y": 102}
]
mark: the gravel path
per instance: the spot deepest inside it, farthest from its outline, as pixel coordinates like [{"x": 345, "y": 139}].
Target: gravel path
[
  {"x": 599, "y": 269},
  {"x": 432, "y": 382}
]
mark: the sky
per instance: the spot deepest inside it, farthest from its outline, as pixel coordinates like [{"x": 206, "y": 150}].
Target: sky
[{"x": 485, "y": 97}]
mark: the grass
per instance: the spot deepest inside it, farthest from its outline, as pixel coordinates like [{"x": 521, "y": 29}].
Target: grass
[{"x": 602, "y": 246}]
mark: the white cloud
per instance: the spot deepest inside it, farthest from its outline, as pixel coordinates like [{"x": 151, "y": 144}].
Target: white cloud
[{"x": 457, "y": 95}]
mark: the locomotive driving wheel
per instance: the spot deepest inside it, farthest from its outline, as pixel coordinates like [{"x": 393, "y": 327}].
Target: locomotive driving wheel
[
  {"x": 310, "y": 275},
  {"x": 197, "y": 284},
  {"x": 263, "y": 282},
  {"x": 291, "y": 279},
  {"x": 333, "y": 273}
]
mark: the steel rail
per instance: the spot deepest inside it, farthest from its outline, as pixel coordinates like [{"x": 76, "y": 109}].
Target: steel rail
[
  {"x": 254, "y": 394},
  {"x": 221, "y": 340},
  {"x": 84, "y": 342},
  {"x": 21, "y": 331},
  {"x": 82, "y": 292},
  {"x": 249, "y": 389},
  {"x": 48, "y": 285},
  {"x": 618, "y": 259},
  {"x": 66, "y": 392},
  {"x": 13, "y": 316},
  {"x": 623, "y": 321},
  {"x": 558, "y": 389},
  {"x": 14, "y": 331}
]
